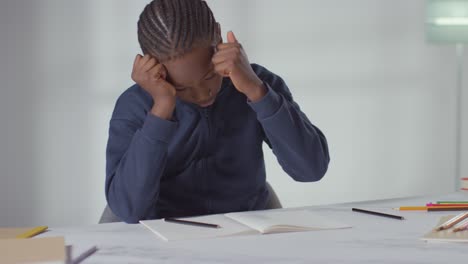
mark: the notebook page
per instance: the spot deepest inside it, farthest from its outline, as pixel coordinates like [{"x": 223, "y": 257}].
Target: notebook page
[
  {"x": 169, "y": 231},
  {"x": 270, "y": 221}
]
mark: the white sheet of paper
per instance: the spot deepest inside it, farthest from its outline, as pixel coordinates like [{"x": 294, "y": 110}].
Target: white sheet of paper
[
  {"x": 174, "y": 231},
  {"x": 270, "y": 221}
]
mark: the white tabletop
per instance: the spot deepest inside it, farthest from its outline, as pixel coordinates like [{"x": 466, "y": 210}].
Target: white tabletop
[{"x": 372, "y": 239}]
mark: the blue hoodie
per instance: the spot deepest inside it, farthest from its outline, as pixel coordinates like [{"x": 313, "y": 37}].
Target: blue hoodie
[{"x": 206, "y": 160}]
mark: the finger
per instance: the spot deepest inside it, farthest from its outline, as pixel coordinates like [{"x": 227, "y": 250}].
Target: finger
[
  {"x": 163, "y": 71},
  {"x": 149, "y": 64},
  {"x": 231, "y": 37},
  {"x": 144, "y": 60},
  {"x": 225, "y": 49},
  {"x": 224, "y": 69},
  {"x": 223, "y": 46},
  {"x": 153, "y": 58},
  {"x": 158, "y": 72},
  {"x": 136, "y": 62},
  {"x": 218, "y": 59},
  {"x": 232, "y": 53},
  {"x": 224, "y": 56}
]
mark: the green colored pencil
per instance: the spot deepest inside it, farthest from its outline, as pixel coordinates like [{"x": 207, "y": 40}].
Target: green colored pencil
[{"x": 452, "y": 202}]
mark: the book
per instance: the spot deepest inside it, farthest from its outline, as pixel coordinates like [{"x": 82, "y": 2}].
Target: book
[
  {"x": 243, "y": 223},
  {"x": 21, "y": 232},
  {"x": 34, "y": 250},
  {"x": 446, "y": 235}
]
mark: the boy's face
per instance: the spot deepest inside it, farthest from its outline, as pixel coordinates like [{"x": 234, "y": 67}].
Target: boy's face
[{"x": 193, "y": 76}]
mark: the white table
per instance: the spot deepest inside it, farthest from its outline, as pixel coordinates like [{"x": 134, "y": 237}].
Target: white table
[{"x": 372, "y": 239}]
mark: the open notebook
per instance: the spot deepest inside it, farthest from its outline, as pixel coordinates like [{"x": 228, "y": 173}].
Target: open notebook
[{"x": 243, "y": 223}]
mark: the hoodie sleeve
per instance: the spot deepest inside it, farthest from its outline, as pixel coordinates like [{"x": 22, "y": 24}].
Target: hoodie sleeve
[
  {"x": 135, "y": 159},
  {"x": 300, "y": 147}
]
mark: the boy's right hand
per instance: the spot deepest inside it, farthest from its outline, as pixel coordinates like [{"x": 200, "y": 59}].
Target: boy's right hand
[{"x": 151, "y": 76}]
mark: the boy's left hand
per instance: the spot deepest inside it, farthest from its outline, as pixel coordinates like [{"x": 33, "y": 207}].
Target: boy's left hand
[{"x": 231, "y": 61}]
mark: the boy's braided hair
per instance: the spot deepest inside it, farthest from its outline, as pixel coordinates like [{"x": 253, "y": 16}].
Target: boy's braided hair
[{"x": 168, "y": 29}]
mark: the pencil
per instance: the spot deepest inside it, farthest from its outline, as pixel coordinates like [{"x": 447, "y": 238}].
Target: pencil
[
  {"x": 32, "y": 232},
  {"x": 452, "y": 221},
  {"x": 463, "y": 225},
  {"x": 187, "y": 222},
  {"x": 432, "y": 208},
  {"x": 85, "y": 255},
  {"x": 452, "y": 202},
  {"x": 378, "y": 213},
  {"x": 412, "y": 208},
  {"x": 450, "y": 208}
]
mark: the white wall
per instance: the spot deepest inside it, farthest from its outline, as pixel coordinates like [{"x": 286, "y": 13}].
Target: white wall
[{"x": 361, "y": 70}]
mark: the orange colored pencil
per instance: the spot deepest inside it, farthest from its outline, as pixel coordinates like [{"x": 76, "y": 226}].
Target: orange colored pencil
[{"x": 412, "y": 208}]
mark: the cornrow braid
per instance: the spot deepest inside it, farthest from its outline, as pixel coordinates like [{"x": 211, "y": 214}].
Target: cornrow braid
[{"x": 169, "y": 29}]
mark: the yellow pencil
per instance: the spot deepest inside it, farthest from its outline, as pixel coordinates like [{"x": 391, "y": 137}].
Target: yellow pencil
[
  {"x": 412, "y": 208},
  {"x": 32, "y": 232}
]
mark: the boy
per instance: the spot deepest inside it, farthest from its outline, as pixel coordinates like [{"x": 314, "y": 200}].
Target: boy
[{"x": 187, "y": 138}]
